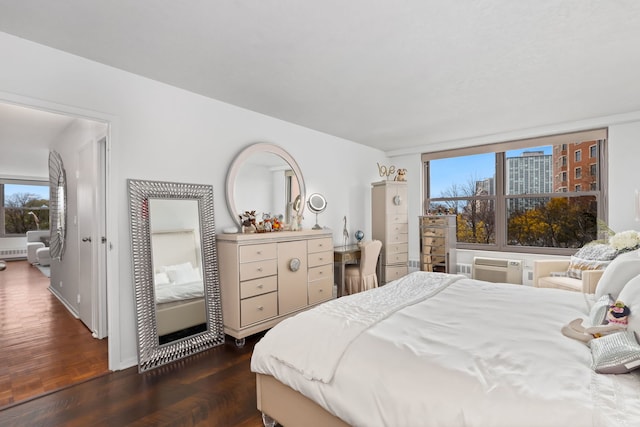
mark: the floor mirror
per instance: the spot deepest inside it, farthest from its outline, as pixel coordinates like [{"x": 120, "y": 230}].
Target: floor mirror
[{"x": 175, "y": 270}]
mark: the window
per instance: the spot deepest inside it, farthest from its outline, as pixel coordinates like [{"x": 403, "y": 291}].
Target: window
[
  {"x": 511, "y": 196},
  {"x": 593, "y": 151},
  {"x": 562, "y": 161},
  {"x": 25, "y": 206},
  {"x": 578, "y": 155},
  {"x": 593, "y": 169}
]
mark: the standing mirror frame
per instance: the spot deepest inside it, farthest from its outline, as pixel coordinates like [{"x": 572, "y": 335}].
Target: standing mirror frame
[
  {"x": 242, "y": 158},
  {"x": 152, "y": 354}
]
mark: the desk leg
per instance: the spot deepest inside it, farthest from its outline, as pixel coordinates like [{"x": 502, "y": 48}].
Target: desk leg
[{"x": 339, "y": 269}]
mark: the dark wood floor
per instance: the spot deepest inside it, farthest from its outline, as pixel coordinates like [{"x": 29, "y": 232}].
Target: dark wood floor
[
  {"x": 42, "y": 346},
  {"x": 212, "y": 388}
]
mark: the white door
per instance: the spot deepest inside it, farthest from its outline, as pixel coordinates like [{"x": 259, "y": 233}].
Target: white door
[{"x": 90, "y": 192}]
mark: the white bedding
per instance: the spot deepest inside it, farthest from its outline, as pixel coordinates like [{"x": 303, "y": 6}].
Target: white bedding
[
  {"x": 178, "y": 291},
  {"x": 470, "y": 353}
]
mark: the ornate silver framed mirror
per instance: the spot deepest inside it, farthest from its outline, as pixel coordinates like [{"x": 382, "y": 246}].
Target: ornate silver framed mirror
[
  {"x": 265, "y": 178},
  {"x": 57, "y": 205},
  {"x": 175, "y": 269}
]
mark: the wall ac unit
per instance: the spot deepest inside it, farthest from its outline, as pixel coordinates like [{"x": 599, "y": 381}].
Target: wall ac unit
[{"x": 497, "y": 270}]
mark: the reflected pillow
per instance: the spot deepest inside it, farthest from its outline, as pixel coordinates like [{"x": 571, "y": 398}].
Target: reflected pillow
[
  {"x": 617, "y": 353},
  {"x": 630, "y": 295},
  {"x": 183, "y": 266},
  {"x": 578, "y": 265},
  {"x": 180, "y": 277},
  {"x": 616, "y": 275},
  {"x": 161, "y": 279}
]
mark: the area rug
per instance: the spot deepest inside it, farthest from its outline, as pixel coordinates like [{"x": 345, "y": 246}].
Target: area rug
[{"x": 46, "y": 270}]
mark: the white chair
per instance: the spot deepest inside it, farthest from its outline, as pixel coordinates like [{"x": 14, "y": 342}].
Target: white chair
[
  {"x": 543, "y": 277},
  {"x": 34, "y": 242},
  {"x": 363, "y": 276}
]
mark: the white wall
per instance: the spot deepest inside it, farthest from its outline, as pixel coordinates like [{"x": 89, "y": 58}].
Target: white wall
[
  {"x": 64, "y": 274},
  {"x": 159, "y": 132}
]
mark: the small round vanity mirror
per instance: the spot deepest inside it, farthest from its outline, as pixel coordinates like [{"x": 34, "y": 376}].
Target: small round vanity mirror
[{"x": 317, "y": 204}]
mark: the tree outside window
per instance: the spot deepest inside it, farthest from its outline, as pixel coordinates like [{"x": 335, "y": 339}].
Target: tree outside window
[{"x": 24, "y": 207}]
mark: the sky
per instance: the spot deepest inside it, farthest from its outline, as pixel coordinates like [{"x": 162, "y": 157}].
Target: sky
[
  {"x": 461, "y": 170},
  {"x": 42, "y": 192}
]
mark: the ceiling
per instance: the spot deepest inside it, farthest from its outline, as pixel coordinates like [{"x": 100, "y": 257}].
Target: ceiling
[{"x": 388, "y": 74}]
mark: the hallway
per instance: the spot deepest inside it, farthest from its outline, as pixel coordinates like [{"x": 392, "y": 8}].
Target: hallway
[{"x": 42, "y": 346}]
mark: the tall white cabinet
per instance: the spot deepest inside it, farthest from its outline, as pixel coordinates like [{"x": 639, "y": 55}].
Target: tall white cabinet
[
  {"x": 390, "y": 225},
  {"x": 266, "y": 277}
]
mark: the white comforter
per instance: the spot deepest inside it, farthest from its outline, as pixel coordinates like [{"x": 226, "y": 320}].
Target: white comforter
[
  {"x": 463, "y": 353},
  {"x": 178, "y": 291}
]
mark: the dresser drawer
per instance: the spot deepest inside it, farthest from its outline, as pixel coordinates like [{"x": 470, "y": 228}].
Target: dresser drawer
[
  {"x": 397, "y": 238},
  {"x": 396, "y": 248},
  {"x": 321, "y": 272},
  {"x": 254, "y": 270},
  {"x": 320, "y": 258},
  {"x": 320, "y": 245},
  {"x": 393, "y": 272},
  {"x": 258, "y": 308},
  {"x": 321, "y": 290},
  {"x": 435, "y": 221},
  {"x": 251, "y": 253},
  {"x": 398, "y": 218},
  {"x": 435, "y": 232},
  {"x": 397, "y": 258},
  {"x": 263, "y": 285}
]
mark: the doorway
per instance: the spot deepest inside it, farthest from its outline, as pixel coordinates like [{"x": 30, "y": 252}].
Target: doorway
[{"x": 24, "y": 158}]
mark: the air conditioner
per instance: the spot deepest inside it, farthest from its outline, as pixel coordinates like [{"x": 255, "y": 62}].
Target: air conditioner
[{"x": 497, "y": 270}]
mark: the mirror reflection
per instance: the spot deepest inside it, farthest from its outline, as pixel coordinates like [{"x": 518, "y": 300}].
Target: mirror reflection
[
  {"x": 177, "y": 265},
  {"x": 265, "y": 183},
  {"x": 264, "y": 178}
]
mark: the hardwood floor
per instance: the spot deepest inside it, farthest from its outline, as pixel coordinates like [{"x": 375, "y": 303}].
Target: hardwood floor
[
  {"x": 42, "y": 346},
  {"x": 212, "y": 388}
]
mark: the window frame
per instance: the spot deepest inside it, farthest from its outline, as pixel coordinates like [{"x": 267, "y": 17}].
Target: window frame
[
  {"x": 500, "y": 148},
  {"x": 14, "y": 181}
]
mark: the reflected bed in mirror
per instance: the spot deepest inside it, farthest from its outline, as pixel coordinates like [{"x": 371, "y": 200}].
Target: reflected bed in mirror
[
  {"x": 177, "y": 290},
  {"x": 266, "y": 179}
]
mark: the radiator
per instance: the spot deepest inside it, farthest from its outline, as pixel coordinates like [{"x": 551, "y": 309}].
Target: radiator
[
  {"x": 13, "y": 253},
  {"x": 497, "y": 270}
]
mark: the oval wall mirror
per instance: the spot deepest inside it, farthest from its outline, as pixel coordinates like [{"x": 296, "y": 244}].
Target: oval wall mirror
[
  {"x": 317, "y": 204},
  {"x": 265, "y": 178},
  {"x": 57, "y": 205}
]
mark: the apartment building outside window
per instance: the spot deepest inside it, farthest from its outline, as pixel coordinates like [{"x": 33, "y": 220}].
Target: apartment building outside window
[{"x": 512, "y": 196}]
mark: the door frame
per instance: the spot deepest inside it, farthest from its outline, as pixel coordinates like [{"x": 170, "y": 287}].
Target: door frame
[{"x": 109, "y": 297}]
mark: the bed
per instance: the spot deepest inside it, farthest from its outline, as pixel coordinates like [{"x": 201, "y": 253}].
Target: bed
[
  {"x": 179, "y": 290},
  {"x": 442, "y": 350}
]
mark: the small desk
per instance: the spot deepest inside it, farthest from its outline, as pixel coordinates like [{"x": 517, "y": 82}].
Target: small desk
[{"x": 343, "y": 255}]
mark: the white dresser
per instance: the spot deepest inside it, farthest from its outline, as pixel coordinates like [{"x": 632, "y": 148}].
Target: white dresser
[
  {"x": 389, "y": 220},
  {"x": 266, "y": 277}
]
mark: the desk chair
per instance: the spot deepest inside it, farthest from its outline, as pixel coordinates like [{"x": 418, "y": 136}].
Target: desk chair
[{"x": 361, "y": 277}]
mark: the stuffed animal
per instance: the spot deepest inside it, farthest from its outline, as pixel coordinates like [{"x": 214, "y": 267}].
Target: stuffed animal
[
  {"x": 402, "y": 175},
  {"x": 616, "y": 321}
]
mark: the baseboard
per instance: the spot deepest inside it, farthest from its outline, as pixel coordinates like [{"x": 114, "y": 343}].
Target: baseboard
[{"x": 64, "y": 302}]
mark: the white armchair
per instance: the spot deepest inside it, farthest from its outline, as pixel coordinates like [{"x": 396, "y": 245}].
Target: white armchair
[
  {"x": 34, "y": 242},
  {"x": 543, "y": 278}
]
